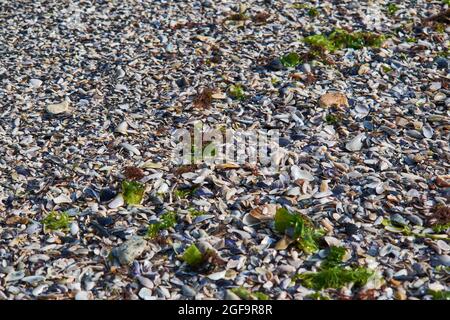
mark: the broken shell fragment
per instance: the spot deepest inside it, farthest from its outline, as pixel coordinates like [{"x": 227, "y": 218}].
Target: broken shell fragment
[{"x": 331, "y": 99}]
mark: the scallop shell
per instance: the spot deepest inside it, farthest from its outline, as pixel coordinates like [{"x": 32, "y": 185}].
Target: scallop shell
[{"x": 355, "y": 144}]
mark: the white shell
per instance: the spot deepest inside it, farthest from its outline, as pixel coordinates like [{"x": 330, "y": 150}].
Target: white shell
[
  {"x": 35, "y": 83},
  {"x": 116, "y": 202},
  {"x": 146, "y": 294},
  {"x": 58, "y": 108},
  {"x": 297, "y": 173},
  {"x": 131, "y": 148},
  {"x": 427, "y": 131},
  {"x": 62, "y": 198},
  {"x": 122, "y": 128},
  {"x": 217, "y": 275},
  {"x": 355, "y": 144},
  {"x": 74, "y": 228}
]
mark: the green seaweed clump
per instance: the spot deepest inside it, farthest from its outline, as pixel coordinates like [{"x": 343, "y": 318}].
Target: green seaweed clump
[
  {"x": 133, "y": 192},
  {"x": 313, "y": 12},
  {"x": 290, "y": 60},
  {"x": 334, "y": 257},
  {"x": 340, "y": 39},
  {"x": 57, "y": 221},
  {"x": 299, "y": 228},
  {"x": 167, "y": 220},
  {"x": 331, "y": 119},
  {"x": 441, "y": 227},
  {"x": 439, "y": 295},
  {"x": 335, "y": 277},
  {"x": 237, "y": 92},
  {"x": 195, "y": 213},
  {"x": 320, "y": 41},
  {"x": 317, "y": 296},
  {"x": 192, "y": 256},
  {"x": 184, "y": 193},
  {"x": 392, "y": 8},
  {"x": 245, "y": 294}
]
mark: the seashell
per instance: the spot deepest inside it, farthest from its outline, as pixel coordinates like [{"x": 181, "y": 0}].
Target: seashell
[
  {"x": 122, "y": 128},
  {"x": 439, "y": 97},
  {"x": 146, "y": 294},
  {"x": 427, "y": 131},
  {"x": 319, "y": 195},
  {"x": 38, "y": 290},
  {"x": 441, "y": 244},
  {"x": 15, "y": 276},
  {"x": 219, "y": 96},
  {"x": 74, "y": 228},
  {"x": 324, "y": 186},
  {"x": 298, "y": 174},
  {"x": 33, "y": 279},
  {"x": 217, "y": 275},
  {"x": 248, "y": 220},
  {"x": 277, "y": 156},
  {"x": 58, "y": 108},
  {"x": 62, "y": 198},
  {"x": 151, "y": 165},
  {"x": 330, "y": 99},
  {"x": 163, "y": 188},
  {"x": 355, "y": 144},
  {"x": 203, "y": 175},
  {"x": 128, "y": 251},
  {"x": 365, "y": 68},
  {"x": 227, "y": 166},
  {"x": 332, "y": 241},
  {"x": 35, "y": 83},
  {"x": 130, "y": 148},
  {"x": 283, "y": 243},
  {"x": 117, "y": 202},
  {"x": 443, "y": 181},
  {"x": 294, "y": 191},
  {"x": 362, "y": 111},
  {"x": 265, "y": 212}
]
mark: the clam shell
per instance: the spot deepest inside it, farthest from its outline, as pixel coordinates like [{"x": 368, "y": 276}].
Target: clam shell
[
  {"x": 298, "y": 174},
  {"x": 427, "y": 131},
  {"x": 283, "y": 243},
  {"x": 122, "y": 128},
  {"x": 62, "y": 198},
  {"x": 58, "y": 108},
  {"x": 355, "y": 144},
  {"x": 130, "y": 148},
  {"x": 116, "y": 202},
  {"x": 265, "y": 212}
]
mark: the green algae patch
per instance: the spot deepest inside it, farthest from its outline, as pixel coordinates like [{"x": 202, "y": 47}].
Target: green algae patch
[
  {"x": 299, "y": 228},
  {"x": 335, "y": 277},
  {"x": 236, "y": 92},
  {"x": 56, "y": 221},
  {"x": 290, "y": 60},
  {"x": 340, "y": 39},
  {"x": 192, "y": 256},
  {"x": 166, "y": 221},
  {"x": 245, "y": 294},
  {"x": 132, "y": 192}
]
